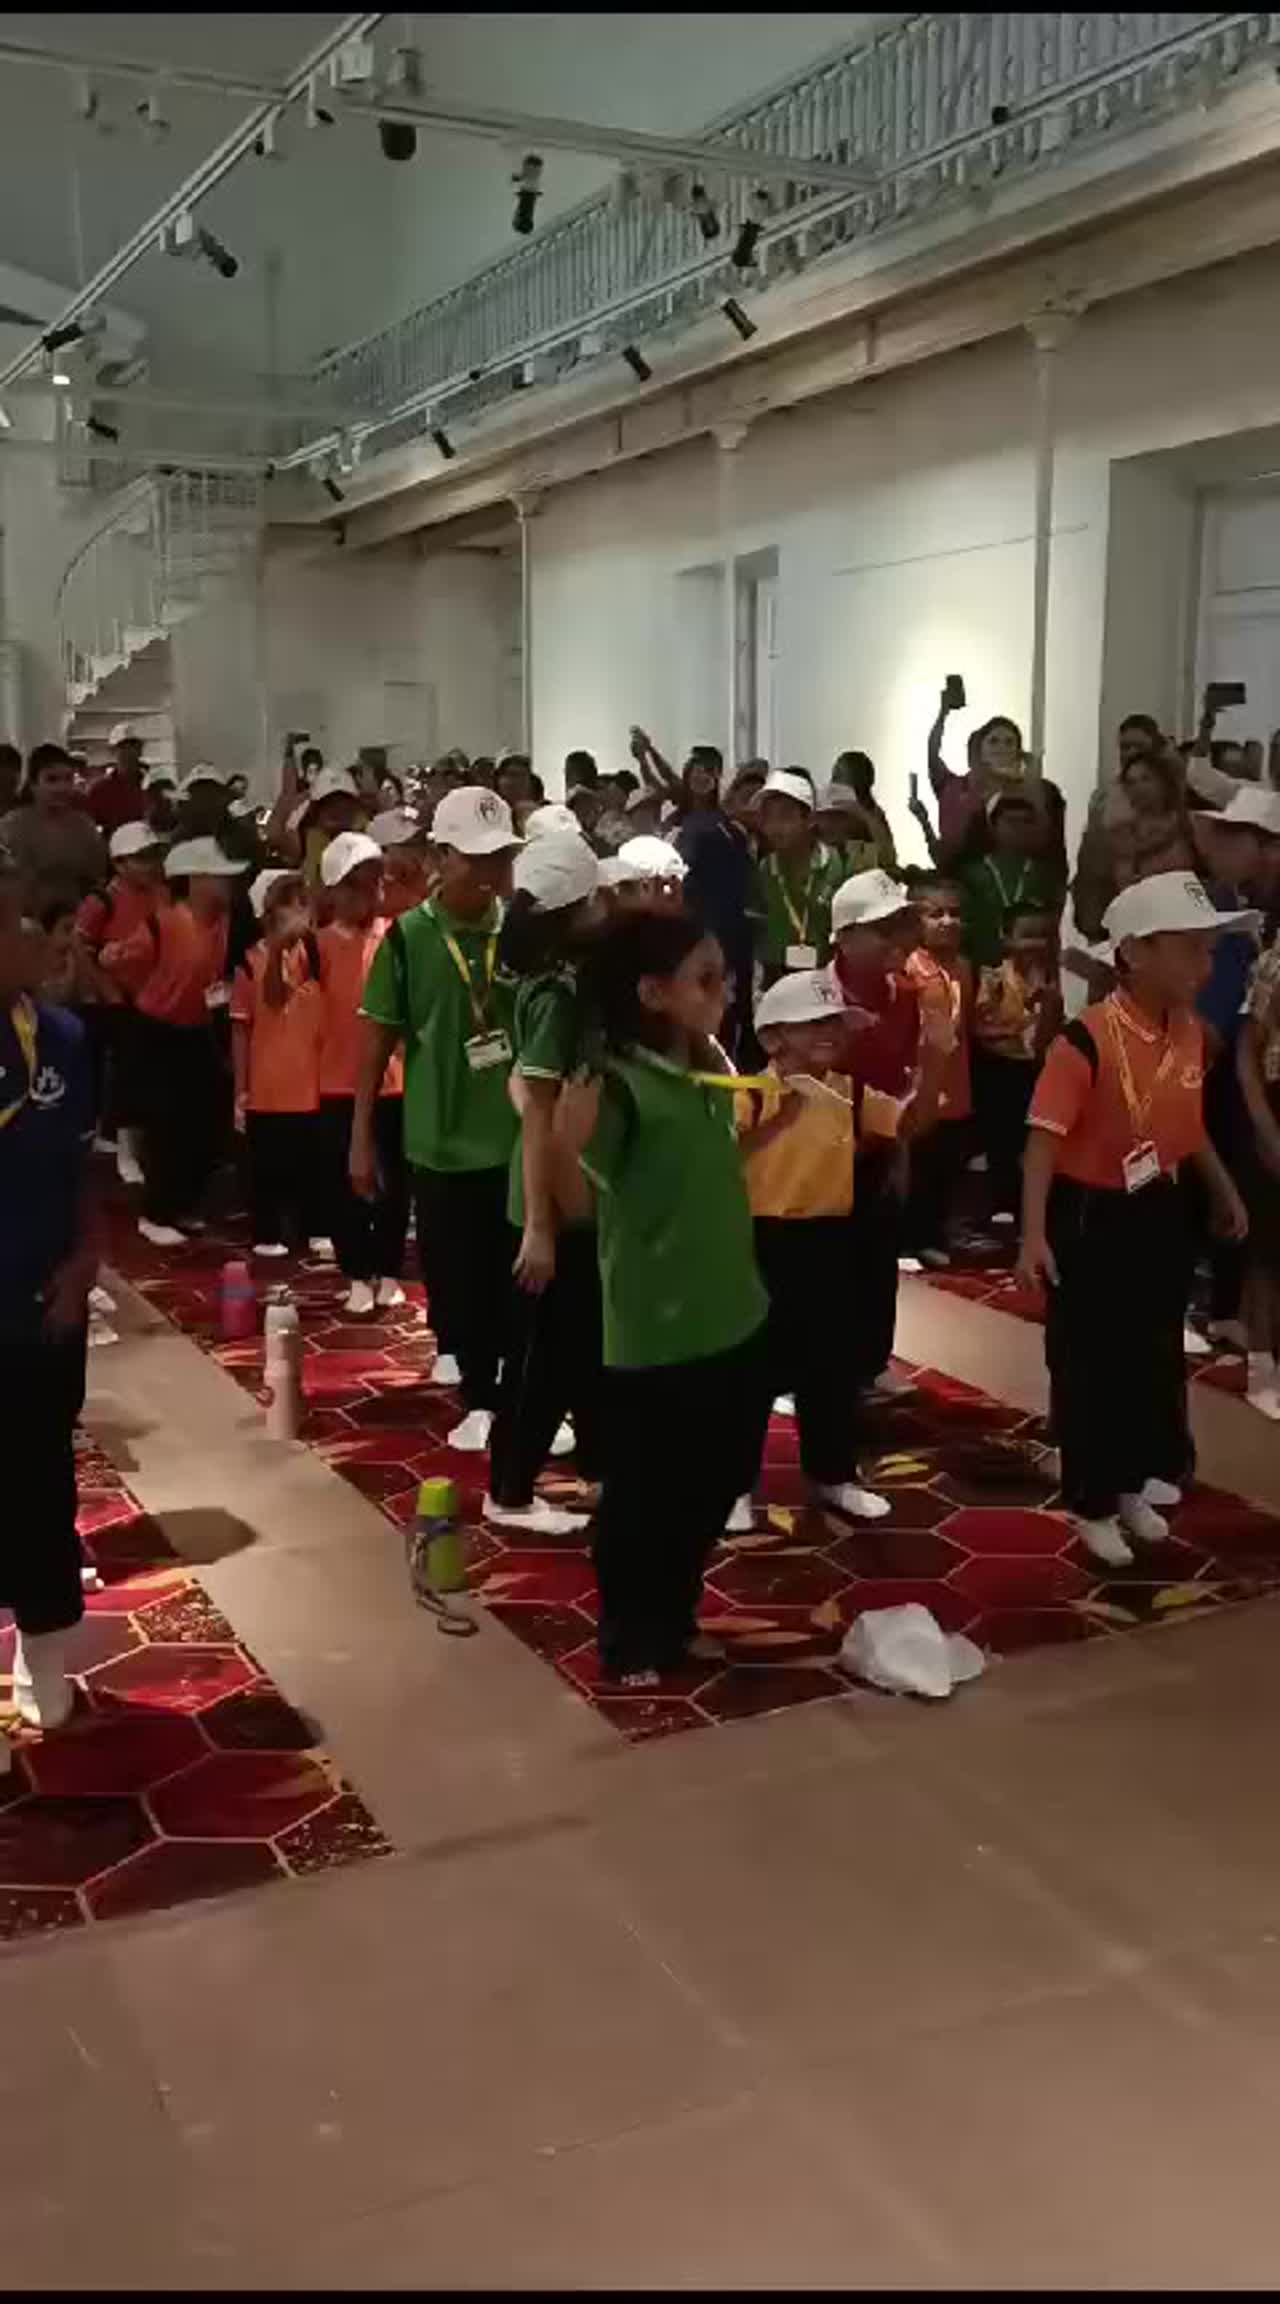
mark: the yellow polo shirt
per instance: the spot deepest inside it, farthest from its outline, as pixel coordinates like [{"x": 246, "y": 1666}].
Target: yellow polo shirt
[{"x": 807, "y": 1168}]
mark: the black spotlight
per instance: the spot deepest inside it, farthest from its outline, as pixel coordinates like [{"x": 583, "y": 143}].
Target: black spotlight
[
  {"x": 70, "y": 333},
  {"x": 637, "y": 363},
  {"x": 398, "y": 138},
  {"x": 739, "y": 319},
  {"x": 704, "y": 208},
  {"x": 443, "y": 443},
  {"x": 528, "y": 183},
  {"x": 749, "y": 231},
  {"x": 332, "y": 490},
  {"x": 224, "y": 263},
  {"x": 98, "y": 429}
]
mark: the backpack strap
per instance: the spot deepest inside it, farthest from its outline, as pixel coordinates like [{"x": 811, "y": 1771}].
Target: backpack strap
[
  {"x": 394, "y": 940},
  {"x": 1083, "y": 1042}
]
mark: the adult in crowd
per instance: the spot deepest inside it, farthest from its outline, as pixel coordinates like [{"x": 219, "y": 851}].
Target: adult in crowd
[
  {"x": 718, "y": 864},
  {"x": 857, "y": 771},
  {"x": 1137, "y": 824},
  {"x": 117, "y": 797},
  {"x": 57, "y": 848},
  {"x": 997, "y": 762}
]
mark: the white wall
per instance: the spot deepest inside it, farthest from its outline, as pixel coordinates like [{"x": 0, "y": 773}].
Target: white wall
[
  {"x": 1239, "y": 630},
  {"x": 902, "y": 517},
  {"x": 1151, "y": 588}
]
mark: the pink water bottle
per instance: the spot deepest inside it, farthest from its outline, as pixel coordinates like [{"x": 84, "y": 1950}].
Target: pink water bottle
[{"x": 237, "y": 1302}]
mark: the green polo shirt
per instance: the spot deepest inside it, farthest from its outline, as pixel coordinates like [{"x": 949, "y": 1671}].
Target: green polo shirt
[
  {"x": 677, "y": 1260},
  {"x": 992, "y": 886},
  {"x": 549, "y": 1042},
  {"x": 454, "y": 1118},
  {"x": 795, "y": 899}
]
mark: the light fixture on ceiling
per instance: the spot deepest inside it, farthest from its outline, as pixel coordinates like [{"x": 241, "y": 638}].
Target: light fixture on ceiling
[
  {"x": 443, "y": 442},
  {"x": 746, "y": 246},
  {"x": 637, "y": 363},
  {"x": 705, "y": 211},
  {"x": 185, "y": 237},
  {"x": 353, "y": 66},
  {"x": 527, "y": 179},
  {"x": 155, "y": 125},
  {"x": 317, "y": 115},
  {"x": 69, "y": 332},
  {"x": 330, "y": 486},
  {"x": 739, "y": 319},
  {"x": 98, "y": 428},
  {"x": 88, "y": 105},
  {"x": 266, "y": 145},
  {"x": 399, "y": 138},
  {"x": 56, "y": 371}
]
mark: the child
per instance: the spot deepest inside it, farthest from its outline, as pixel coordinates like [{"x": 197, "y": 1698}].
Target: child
[
  {"x": 1257, "y": 1058},
  {"x": 846, "y": 830},
  {"x": 180, "y": 1072},
  {"x": 1008, "y": 877},
  {"x": 1116, "y": 1115},
  {"x": 108, "y": 925},
  {"x": 277, "y": 1018},
  {"x": 797, "y": 878},
  {"x": 406, "y": 849},
  {"x": 368, "y": 1232},
  {"x": 943, "y": 981},
  {"x": 433, "y": 985},
  {"x": 646, "y": 875},
  {"x": 685, "y": 1347},
  {"x": 553, "y": 1355},
  {"x": 1016, "y": 1011},
  {"x": 799, "y": 1158}
]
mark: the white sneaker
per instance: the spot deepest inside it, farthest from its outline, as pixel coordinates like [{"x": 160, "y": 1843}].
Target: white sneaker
[
  {"x": 566, "y": 1439},
  {"x": 322, "y": 1250},
  {"x": 538, "y": 1518},
  {"x": 444, "y": 1370},
  {"x": 41, "y": 1690},
  {"x": 1266, "y": 1401},
  {"x": 359, "y": 1300},
  {"x": 1003, "y": 1216},
  {"x": 1141, "y": 1520},
  {"x": 910, "y": 1264},
  {"x": 103, "y": 1143},
  {"x": 388, "y": 1295},
  {"x": 858, "y": 1503},
  {"x": 742, "y": 1519},
  {"x": 785, "y": 1404},
  {"x": 101, "y": 1301},
  {"x": 1193, "y": 1343},
  {"x": 101, "y": 1332},
  {"x": 269, "y": 1248},
  {"x": 90, "y": 1578},
  {"x": 1104, "y": 1540},
  {"x": 161, "y": 1235},
  {"x": 891, "y": 1383},
  {"x": 471, "y": 1436},
  {"x": 1162, "y": 1493}
]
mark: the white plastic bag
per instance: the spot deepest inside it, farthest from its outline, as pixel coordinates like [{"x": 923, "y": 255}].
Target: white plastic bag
[{"x": 906, "y": 1651}]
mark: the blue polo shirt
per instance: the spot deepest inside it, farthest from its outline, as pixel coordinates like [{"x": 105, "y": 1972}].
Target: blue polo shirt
[
  {"x": 1234, "y": 953},
  {"x": 42, "y": 1157}
]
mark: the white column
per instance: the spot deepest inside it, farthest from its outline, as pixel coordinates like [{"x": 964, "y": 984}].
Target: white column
[
  {"x": 728, "y": 439},
  {"x": 1049, "y": 331},
  {"x": 526, "y": 506}
]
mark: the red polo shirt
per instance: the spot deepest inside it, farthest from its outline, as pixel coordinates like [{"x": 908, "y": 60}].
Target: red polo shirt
[{"x": 883, "y": 1054}]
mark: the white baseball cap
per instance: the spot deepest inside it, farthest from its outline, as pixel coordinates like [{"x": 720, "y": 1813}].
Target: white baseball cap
[
  {"x": 649, "y": 858},
  {"x": 810, "y": 996},
  {"x": 790, "y": 785},
  {"x": 332, "y": 784},
  {"x": 344, "y": 853},
  {"x": 156, "y": 776},
  {"x": 866, "y": 898},
  {"x": 396, "y": 827},
  {"x": 205, "y": 772},
  {"x": 475, "y": 821},
  {"x": 260, "y": 889},
  {"x": 131, "y": 840},
  {"x": 1165, "y": 903},
  {"x": 556, "y": 870},
  {"x": 1251, "y": 805},
  {"x": 202, "y": 856},
  {"x": 124, "y": 732},
  {"x": 552, "y": 819}
]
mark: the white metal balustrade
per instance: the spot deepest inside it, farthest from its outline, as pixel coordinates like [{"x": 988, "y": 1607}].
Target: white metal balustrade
[{"x": 940, "y": 107}]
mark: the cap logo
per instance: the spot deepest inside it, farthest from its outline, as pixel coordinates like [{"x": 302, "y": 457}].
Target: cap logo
[{"x": 489, "y": 809}]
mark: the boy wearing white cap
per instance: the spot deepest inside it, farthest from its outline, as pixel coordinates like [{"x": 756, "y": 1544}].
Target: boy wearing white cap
[
  {"x": 798, "y": 877},
  {"x": 106, "y": 923},
  {"x": 182, "y": 1081},
  {"x": 799, "y": 1147},
  {"x": 368, "y": 1229},
  {"x": 406, "y": 848},
  {"x": 433, "y": 985},
  {"x": 1116, "y": 1124},
  {"x": 277, "y": 1022},
  {"x": 646, "y": 875}
]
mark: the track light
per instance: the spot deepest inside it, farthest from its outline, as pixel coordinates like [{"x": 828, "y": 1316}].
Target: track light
[
  {"x": 331, "y": 489},
  {"x": 528, "y": 183},
  {"x": 70, "y": 332},
  {"x": 215, "y": 253},
  {"x": 443, "y": 442},
  {"x": 637, "y": 363},
  {"x": 749, "y": 231},
  {"x": 98, "y": 428},
  {"x": 705, "y": 210},
  {"x": 739, "y": 319},
  {"x": 266, "y": 146},
  {"x": 88, "y": 106},
  {"x": 399, "y": 138},
  {"x": 155, "y": 127},
  {"x": 56, "y": 371},
  {"x": 317, "y": 114}
]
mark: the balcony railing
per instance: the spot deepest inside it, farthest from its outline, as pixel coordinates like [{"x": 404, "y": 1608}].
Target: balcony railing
[
  {"x": 170, "y": 543},
  {"x": 939, "y": 107}
]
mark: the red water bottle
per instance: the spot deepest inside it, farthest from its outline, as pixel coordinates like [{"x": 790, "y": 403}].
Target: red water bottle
[{"x": 237, "y": 1302}]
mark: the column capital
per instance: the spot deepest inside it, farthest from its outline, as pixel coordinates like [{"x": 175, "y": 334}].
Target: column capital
[
  {"x": 1054, "y": 323},
  {"x": 525, "y": 502},
  {"x": 730, "y": 433}
]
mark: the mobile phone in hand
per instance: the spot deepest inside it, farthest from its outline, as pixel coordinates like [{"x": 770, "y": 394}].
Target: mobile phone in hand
[
  {"x": 953, "y": 695},
  {"x": 1220, "y": 695},
  {"x": 913, "y": 790}
]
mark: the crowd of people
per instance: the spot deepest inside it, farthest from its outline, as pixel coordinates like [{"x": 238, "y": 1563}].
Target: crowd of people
[{"x": 669, "y": 1078}]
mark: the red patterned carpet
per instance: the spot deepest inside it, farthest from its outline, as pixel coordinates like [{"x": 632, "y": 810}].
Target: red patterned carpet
[
  {"x": 974, "y": 1533},
  {"x": 182, "y": 1773}
]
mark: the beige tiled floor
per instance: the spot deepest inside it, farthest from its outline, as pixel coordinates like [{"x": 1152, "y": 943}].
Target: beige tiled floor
[{"x": 864, "y": 1995}]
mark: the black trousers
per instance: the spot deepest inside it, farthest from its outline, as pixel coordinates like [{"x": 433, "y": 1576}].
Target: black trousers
[
  {"x": 42, "y": 1380},
  {"x": 465, "y": 1248},
  {"x": 808, "y": 1267},
  {"x": 937, "y": 1165},
  {"x": 1113, "y": 1340},
  {"x": 1002, "y": 1087},
  {"x": 368, "y": 1235},
  {"x": 284, "y": 1158},
  {"x": 1230, "y": 1131},
  {"x": 124, "y": 1035},
  {"x": 552, "y": 1365},
  {"x": 681, "y": 1444},
  {"x": 873, "y": 1303},
  {"x": 183, "y": 1088}
]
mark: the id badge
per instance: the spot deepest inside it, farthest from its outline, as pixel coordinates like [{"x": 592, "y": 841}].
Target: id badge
[
  {"x": 801, "y": 956},
  {"x": 217, "y": 996},
  {"x": 485, "y": 1049},
  {"x": 1141, "y": 1166}
]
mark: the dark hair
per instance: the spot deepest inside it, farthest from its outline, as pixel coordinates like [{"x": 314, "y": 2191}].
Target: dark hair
[
  {"x": 997, "y": 720},
  {"x": 1143, "y": 720},
  {"x": 10, "y": 754},
  {"x": 530, "y": 942},
  {"x": 44, "y": 756},
  {"x": 580, "y": 768},
  {"x": 1016, "y": 912},
  {"x": 55, "y": 907},
  {"x": 1007, "y": 800},
  {"x": 537, "y": 789},
  {"x": 626, "y": 778},
  {"x": 920, "y": 880},
  {"x": 700, "y": 756},
  {"x": 1161, "y": 769},
  {"x": 631, "y": 946},
  {"x": 849, "y": 766}
]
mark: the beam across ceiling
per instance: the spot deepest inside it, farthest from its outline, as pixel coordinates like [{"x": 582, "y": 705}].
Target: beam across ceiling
[{"x": 526, "y": 129}]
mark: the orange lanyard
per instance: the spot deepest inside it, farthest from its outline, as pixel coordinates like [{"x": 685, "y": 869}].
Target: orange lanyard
[
  {"x": 1139, "y": 1107},
  {"x": 23, "y": 1018}
]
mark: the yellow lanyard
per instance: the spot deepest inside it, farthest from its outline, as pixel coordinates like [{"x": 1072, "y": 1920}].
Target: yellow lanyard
[
  {"x": 1139, "y": 1107},
  {"x": 25, "y": 1024},
  {"x": 1006, "y": 899},
  {"x": 479, "y": 1007},
  {"x": 745, "y": 1081},
  {"x": 799, "y": 920}
]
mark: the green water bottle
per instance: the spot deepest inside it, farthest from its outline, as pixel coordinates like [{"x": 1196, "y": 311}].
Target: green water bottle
[{"x": 438, "y": 1555}]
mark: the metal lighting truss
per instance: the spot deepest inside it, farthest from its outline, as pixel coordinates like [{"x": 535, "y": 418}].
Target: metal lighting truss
[{"x": 936, "y": 109}]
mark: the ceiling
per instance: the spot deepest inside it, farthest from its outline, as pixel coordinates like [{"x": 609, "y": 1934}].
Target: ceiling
[{"x": 333, "y": 241}]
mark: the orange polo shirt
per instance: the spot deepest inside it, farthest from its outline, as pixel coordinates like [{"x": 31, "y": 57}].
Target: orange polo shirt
[
  {"x": 190, "y": 956},
  {"x": 117, "y": 917},
  {"x": 284, "y": 1043},
  {"x": 345, "y": 956},
  {"x": 945, "y": 989},
  {"x": 1091, "y": 1117}
]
